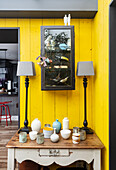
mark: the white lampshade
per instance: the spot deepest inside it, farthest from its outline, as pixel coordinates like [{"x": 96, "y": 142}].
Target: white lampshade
[
  {"x": 85, "y": 68},
  {"x": 26, "y": 68}
]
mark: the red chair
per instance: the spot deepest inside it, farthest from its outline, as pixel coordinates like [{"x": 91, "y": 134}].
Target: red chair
[{"x": 4, "y": 104}]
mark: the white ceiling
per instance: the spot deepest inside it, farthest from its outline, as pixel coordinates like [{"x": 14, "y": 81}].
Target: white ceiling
[{"x": 11, "y": 53}]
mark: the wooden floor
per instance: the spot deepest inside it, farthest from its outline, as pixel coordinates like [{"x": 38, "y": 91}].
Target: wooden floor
[{"x": 6, "y": 132}]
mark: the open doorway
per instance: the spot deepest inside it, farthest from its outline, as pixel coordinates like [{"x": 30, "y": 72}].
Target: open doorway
[{"x": 9, "y": 82}]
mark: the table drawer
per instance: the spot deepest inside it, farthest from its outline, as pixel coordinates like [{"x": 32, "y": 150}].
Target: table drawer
[{"x": 54, "y": 152}]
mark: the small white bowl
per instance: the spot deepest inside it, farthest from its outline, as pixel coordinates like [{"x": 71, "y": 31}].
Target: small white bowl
[
  {"x": 65, "y": 133},
  {"x": 33, "y": 135}
]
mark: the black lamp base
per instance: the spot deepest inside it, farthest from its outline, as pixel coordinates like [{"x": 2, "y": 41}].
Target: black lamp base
[
  {"x": 25, "y": 129},
  {"x": 88, "y": 130}
]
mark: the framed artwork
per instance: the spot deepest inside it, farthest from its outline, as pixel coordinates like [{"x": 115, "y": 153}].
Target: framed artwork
[{"x": 57, "y": 58}]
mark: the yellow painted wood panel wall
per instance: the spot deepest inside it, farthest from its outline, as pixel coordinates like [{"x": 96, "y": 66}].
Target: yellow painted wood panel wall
[
  {"x": 49, "y": 105},
  {"x": 100, "y": 92}
]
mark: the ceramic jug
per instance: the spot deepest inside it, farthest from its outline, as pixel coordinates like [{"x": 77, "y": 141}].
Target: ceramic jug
[
  {"x": 36, "y": 125},
  {"x": 57, "y": 125},
  {"x": 54, "y": 137}
]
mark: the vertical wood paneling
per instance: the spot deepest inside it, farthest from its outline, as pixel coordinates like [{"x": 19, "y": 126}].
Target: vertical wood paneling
[
  {"x": 99, "y": 92},
  {"x": 91, "y": 43},
  {"x": 11, "y": 22},
  {"x": 59, "y": 22},
  {"x": 50, "y": 104},
  {"x": 93, "y": 77},
  {"x": 36, "y": 105},
  {"x": 85, "y": 55},
  {"x": 61, "y": 98},
  {"x": 24, "y": 25},
  {"x": 101, "y": 87},
  {"x": 99, "y": 78},
  {"x": 106, "y": 83},
  {"x": 61, "y": 105},
  {"x": 73, "y": 95},
  {"x": 48, "y": 96}
]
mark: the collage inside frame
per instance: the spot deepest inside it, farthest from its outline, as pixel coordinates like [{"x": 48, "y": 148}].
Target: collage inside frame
[{"x": 57, "y": 58}]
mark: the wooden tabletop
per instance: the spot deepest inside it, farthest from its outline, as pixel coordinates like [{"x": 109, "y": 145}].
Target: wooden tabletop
[{"x": 91, "y": 142}]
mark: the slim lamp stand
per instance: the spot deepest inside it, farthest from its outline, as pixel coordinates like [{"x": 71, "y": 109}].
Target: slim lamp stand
[
  {"x": 85, "y": 123},
  {"x": 26, "y": 68},
  {"x": 85, "y": 68},
  {"x": 26, "y": 128}
]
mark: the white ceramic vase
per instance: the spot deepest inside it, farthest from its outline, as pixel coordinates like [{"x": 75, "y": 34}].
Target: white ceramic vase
[
  {"x": 36, "y": 125},
  {"x": 54, "y": 137},
  {"x": 65, "y": 123}
]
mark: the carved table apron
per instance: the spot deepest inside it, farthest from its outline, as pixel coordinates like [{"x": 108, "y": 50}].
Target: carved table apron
[{"x": 62, "y": 153}]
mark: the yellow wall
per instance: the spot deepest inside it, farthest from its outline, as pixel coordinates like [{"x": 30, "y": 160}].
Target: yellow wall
[
  {"x": 101, "y": 82},
  {"x": 91, "y": 43},
  {"x": 49, "y": 105}
]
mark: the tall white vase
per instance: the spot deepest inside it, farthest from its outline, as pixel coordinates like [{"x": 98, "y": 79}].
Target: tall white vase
[
  {"x": 65, "y": 123},
  {"x": 36, "y": 125}
]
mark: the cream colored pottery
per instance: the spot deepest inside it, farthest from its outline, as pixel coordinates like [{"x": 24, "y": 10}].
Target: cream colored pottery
[
  {"x": 47, "y": 133},
  {"x": 54, "y": 137},
  {"x": 65, "y": 133},
  {"x": 76, "y": 138},
  {"x": 36, "y": 125},
  {"x": 33, "y": 135},
  {"x": 65, "y": 123}
]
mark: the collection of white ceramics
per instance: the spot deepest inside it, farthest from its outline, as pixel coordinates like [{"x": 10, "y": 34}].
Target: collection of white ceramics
[{"x": 54, "y": 137}]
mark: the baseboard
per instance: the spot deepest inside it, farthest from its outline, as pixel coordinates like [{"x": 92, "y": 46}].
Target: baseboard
[{"x": 13, "y": 118}]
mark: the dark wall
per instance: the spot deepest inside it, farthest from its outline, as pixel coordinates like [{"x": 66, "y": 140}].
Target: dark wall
[
  {"x": 112, "y": 83},
  {"x": 8, "y": 35}
]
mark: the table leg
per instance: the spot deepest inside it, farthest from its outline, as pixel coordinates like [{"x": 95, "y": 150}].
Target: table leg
[
  {"x": 97, "y": 160},
  {"x": 11, "y": 159}
]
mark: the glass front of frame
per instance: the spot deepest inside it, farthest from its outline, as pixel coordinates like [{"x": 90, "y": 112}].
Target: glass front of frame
[{"x": 57, "y": 53}]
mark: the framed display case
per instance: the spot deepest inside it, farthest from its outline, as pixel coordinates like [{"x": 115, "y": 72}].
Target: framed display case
[{"x": 57, "y": 58}]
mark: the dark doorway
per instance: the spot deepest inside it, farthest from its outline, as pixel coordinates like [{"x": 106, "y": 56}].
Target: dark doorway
[{"x": 9, "y": 82}]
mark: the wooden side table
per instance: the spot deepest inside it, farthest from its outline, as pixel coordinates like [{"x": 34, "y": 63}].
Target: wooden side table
[{"x": 62, "y": 153}]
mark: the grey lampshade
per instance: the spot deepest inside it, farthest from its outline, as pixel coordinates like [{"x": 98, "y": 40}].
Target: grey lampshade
[
  {"x": 25, "y": 68},
  {"x": 85, "y": 68}
]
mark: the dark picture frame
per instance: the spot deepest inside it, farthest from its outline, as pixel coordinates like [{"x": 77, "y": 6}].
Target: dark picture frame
[{"x": 57, "y": 51}]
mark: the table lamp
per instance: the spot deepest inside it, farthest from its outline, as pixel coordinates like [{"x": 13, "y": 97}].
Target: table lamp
[
  {"x": 26, "y": 68},
  {"x": 85, "y": 69}
]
